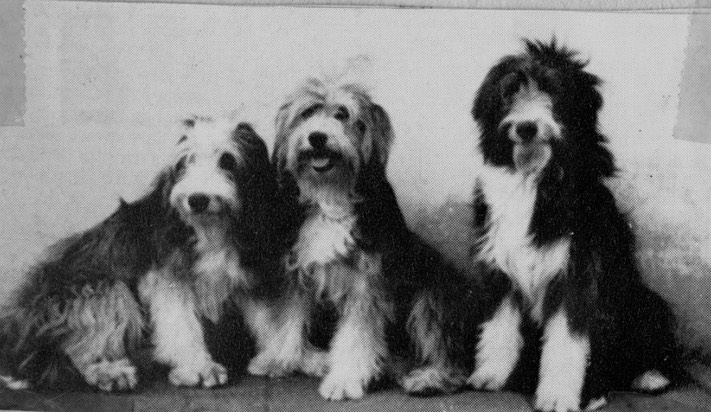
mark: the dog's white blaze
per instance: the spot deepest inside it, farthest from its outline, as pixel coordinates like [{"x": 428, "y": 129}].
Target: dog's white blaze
[
  {"x": 499, "y": 347},
  {"x": 507, "y": 243},
  {"x": 206, "y": 142},
  {"x": 323, "y": 239},
  {"x": 532, "y": 105},
  {"x": 564, "y": 360},
  {"x": 177, "y": 332}
]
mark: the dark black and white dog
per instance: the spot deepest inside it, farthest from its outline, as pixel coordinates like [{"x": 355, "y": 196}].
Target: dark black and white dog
[
  {"x": 555, "y": 245},
  {"x": 350, "y": 249},
  {"x": 153, "y": 269}
]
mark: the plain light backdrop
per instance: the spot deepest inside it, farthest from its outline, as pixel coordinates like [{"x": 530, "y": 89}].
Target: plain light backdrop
[{"x": 107, "y": 82}]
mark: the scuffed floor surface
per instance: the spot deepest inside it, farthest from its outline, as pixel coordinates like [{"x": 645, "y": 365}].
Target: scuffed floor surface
[{"x": 299, "y": 394}]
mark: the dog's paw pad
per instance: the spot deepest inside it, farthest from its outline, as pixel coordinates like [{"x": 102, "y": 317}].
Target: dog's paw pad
[
  {"x": 337, "y": 388},
  {"x": 120, "y": 375},
  {"x": 208, "y": 375}
]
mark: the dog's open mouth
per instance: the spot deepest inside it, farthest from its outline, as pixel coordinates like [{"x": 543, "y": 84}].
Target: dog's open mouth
[
  {"x": 321, "y": 161},
  {"x": 322, "y": 164},
  {"x": 531, "y": 157}
]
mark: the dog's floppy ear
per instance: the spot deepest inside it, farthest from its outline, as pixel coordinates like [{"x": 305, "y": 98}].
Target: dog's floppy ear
[
  {"x": 252, "y": 144},
  {"x": 381, "y": 132},
  {"x": 281, "y": 123}
]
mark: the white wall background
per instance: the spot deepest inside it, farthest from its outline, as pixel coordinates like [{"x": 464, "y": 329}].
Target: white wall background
[{"x": 105, "y": 83}]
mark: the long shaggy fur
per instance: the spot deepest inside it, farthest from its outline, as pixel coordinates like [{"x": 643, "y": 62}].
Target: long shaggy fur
[
  {"x": 151, "y": 272},
  {"x": 351, "y": 258},
  {"x": 572, "y": 317}
]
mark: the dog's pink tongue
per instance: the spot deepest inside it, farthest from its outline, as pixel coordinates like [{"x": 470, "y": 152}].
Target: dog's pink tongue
[
  {"x": 530, "y": 158},
  {"x": 320, "y": 162}
]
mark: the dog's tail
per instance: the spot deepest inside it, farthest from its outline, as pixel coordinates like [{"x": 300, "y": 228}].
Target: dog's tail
[{"x": 29, "y": 357}]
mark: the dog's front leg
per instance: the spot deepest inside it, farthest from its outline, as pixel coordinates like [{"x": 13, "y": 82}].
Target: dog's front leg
[
  {"x": 358, "y": 350},
  {"x": 177, "y": 333},
  {"x": 564, "y": 361}
]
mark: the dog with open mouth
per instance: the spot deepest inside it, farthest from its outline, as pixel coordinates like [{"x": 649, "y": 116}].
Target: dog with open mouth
[
  {"x": 572, "y": 318},
  {"x": 350, "y": 252},
  {"x": 150, "y": 274}
]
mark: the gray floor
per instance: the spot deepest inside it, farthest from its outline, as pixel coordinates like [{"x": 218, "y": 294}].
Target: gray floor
[{"x": 299, "y": 394}]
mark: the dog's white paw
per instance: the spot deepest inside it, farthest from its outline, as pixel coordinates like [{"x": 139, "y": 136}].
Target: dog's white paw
[
  {"x": 339, "y": 387},
  {"x": 556, "y": 399},
  {"x": 596, "y": 404},
  {"x": 263, "y": 365},
  {"x": 120, "y": 375},
  {"x": 206, "y": 375},
  {"x": 488, "y": 379},
  {"x": 431, "y": 380},
  {"x": 651, "y": 381}
]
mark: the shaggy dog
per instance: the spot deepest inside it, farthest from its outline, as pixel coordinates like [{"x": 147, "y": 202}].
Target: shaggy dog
[
  {"x": 153, "y": 270},
  {"x": 350, "y": 251},
  {"x": 572, "y": 310}
]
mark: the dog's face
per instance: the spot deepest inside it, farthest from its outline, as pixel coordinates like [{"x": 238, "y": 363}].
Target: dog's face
[
  {"x": 215, "y": 161},
  {"x": 326, "y": 134},
  {"x": 537, "y": 108}
]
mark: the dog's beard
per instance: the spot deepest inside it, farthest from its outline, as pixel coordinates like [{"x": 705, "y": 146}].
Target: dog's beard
[
  {"x": 531, "y": 158},
  {"x": 333, "y": 190}
]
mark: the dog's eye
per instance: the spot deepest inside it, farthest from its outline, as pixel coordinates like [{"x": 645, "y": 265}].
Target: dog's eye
[
  {"x": 510, "y": 85},
  {"x": 228, "y": 162},
  {"x": 310, "y": 111},
  {"x": 341, "y": 114},
  {"x": 360, "y": 125}
]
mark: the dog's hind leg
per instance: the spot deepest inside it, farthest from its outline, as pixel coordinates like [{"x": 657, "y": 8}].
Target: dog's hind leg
[
  {"x": 425, "y": 328},
  {"x": 177, "y": 333},
  {"x": 97, "y": 325}
]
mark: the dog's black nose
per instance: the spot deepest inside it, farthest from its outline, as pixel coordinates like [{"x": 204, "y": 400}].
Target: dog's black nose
[
  {"x": 526, "y": 131},
  {"x": 198, "y": 202},
  {"x": 318, "y": 140}
]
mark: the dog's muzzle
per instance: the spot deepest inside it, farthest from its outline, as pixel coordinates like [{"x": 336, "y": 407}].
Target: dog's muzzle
[
  {"x": 205, "y": 205},
  {"x": 319, "y": 157},
  {"x": 531, "y": 150}
]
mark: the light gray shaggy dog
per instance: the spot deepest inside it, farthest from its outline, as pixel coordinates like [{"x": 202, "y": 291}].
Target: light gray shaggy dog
[
  {"x": 349, "y": 253},
  {"x": 151, "y": 272}
]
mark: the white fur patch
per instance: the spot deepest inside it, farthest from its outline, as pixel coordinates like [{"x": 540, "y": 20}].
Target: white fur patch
[
  {"x": 217, "y": 257},
  {"x": 507, "y": 243},
  {"x": 14, "y": 384},
  {"x": 532, "y": 105},
  {"x": 324, "y": 239},
  {"x": 499, "y": 348},
  {"x": 564, "y": 360},
  {"x": 357, "y": 354},
  {"x": 177, "y": 333},
  {"x": 650, "y": 381}
]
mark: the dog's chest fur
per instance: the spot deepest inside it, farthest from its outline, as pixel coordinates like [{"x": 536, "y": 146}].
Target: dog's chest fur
[
  {"x": 324, "y": 239},
  {"x": 507, "y": 243},
  {"x": 326, "y": 255},
  {"x": 217, "y": 271}
]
